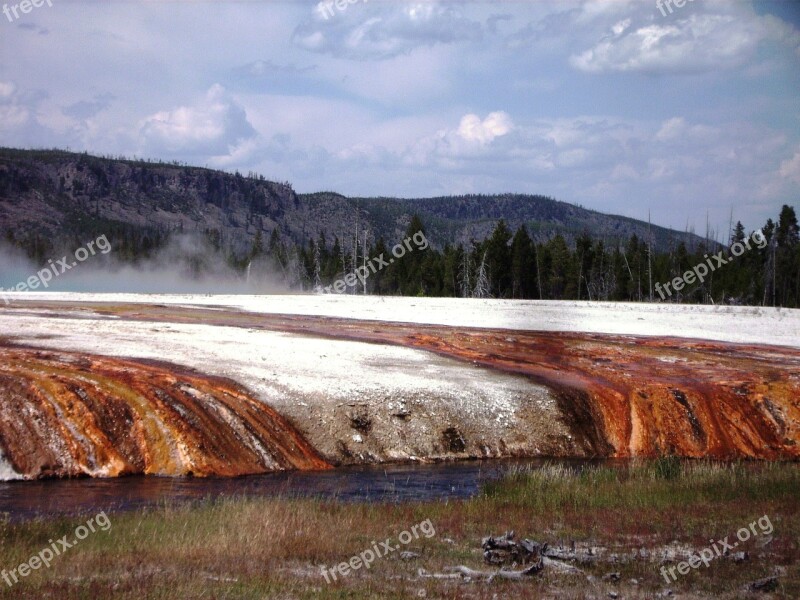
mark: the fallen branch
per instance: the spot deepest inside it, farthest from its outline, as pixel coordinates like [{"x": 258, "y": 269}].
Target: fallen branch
[
  {"x": 462, "y": 571},
  {"x": 561, "y": 567},
  {"x": 504, "y": 549}
]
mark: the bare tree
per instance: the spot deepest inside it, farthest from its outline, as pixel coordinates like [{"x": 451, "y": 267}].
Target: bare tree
[
  {"x": 482, "y": 284},
  {"x": 317, "y": 269},
  {"x": 649, "y": 260},
  {"x": 364, "y": 261}
]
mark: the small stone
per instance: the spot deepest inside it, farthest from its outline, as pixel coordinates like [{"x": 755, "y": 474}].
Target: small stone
[
  {"x": 764, "y": 541},
  {"x": 739, "y": 557},
  {"x": 408, "y": 555},
  {"x": 768, "y": 584},
  {"x": 612, "y": 577}
]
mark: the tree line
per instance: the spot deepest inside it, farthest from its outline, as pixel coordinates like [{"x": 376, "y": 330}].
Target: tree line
[
  {"x": 511, "y": 264},
  {"x": 507, "y": 264}
]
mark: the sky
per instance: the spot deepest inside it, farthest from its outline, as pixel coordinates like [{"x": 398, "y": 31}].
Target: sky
[{"x": 685, "y": 113}]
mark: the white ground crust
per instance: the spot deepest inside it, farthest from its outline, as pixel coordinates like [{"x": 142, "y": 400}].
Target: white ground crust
[
  {"x": 409, "y": 397},
  {"x": 724, "y": 323},
  {"x": 7, "y": 472}
]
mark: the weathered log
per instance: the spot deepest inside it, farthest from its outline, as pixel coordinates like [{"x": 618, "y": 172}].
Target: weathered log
[
  {"x": 423, "y": 574},
  {"x": 504, "y": 549},
  {"x": 463, "y": 571},
  {"x": 562, "y": 567}
]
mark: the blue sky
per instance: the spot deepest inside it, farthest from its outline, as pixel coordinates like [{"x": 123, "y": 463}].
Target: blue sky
[{"x": 609, "y": 104}]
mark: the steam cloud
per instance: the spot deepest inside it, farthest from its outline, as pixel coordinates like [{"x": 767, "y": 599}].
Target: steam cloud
[{"x": 187, "y": 264}]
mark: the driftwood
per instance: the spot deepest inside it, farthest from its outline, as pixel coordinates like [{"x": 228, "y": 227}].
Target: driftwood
[
  {"x": 423, "y": 574},
  {"x": 583, "y": 553},
  {"x": 561, "y": 567},
  {"x": 461, "y": 571},
  {"x": 504, "y": 550}
]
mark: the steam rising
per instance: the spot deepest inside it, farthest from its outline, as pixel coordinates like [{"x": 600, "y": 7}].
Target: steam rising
[{"x": 188, "y": 264}]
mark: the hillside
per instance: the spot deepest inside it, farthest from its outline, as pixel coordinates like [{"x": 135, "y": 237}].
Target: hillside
[{"x": 54, "y": 198}]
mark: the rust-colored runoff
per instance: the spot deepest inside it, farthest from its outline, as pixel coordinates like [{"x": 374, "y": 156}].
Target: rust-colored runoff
[
  {"x": 620, "y": 396},
  {"x": 68, "y": 414}
]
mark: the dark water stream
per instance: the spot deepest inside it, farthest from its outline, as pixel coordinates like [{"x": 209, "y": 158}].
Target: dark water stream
[{"x": 393, "y": 483}]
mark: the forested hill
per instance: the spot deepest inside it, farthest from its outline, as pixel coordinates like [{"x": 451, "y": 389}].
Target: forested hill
[
  {"x": 473, "y": 217},
  {"x": 51, "y": 199},
  {"x": 255, "y": 230}
]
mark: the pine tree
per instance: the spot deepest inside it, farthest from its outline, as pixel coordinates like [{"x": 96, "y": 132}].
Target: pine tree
[
  {"x": 465, "y": 274},
  {"x": 498, "y": 260},
  {"x": 787, "y": 264},
  {"x": 523, "y": 269}
]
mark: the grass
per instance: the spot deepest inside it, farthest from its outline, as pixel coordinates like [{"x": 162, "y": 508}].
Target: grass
[
  {"x": 660, "y": 484},
  {"x": 274, "y": 547}
]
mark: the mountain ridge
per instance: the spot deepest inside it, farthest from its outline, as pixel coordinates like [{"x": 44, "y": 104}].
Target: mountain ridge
[{"x": 58, "y": 196}]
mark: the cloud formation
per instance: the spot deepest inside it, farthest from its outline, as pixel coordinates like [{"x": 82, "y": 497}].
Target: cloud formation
[
  {"x": 695, "y": 44},
  {"x": 493, "y": 126},
  {"x": 214, "y": 126},
  {"x": 383, "y": 30},
  {"x": 605, "y": 103},
  {"x": 790, "y": 168}
]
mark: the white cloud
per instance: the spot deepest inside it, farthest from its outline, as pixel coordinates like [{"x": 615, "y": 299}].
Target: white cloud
[
  {"x": 493, "y": 126},
  {"x": 790, "y": 168},
  {"x": 12, "y": 116},
  {"x": 592, "y": 10},
  {"x": 572, "y": 158},
  {"x": 6, "y": 89},
  {"x": 451, "y": 149},
  {"x": 623, "y": 172},
  {"x": 377, "y": 31},
  {"x": 671, "y": 129},
  {"x": 700, "y": 42},
  {"x": 391, "y": 97},
  {"x": 213, "y": 126},
  {"x": 619, "y": 28}
]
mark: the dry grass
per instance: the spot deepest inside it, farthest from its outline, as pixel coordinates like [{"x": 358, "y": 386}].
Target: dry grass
[{"x": 273, "y": 548}]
